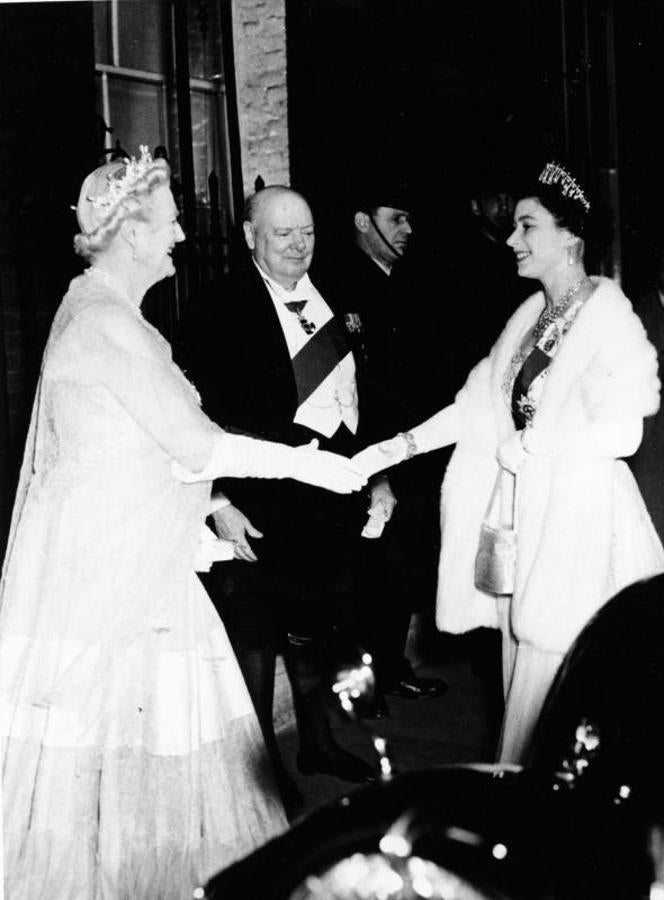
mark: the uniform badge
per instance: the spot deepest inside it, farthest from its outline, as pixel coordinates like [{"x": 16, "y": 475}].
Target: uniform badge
[{"x": 353, "y": 323}]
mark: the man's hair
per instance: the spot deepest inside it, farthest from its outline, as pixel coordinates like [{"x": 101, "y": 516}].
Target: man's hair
[{"x": 255, "y": 202}]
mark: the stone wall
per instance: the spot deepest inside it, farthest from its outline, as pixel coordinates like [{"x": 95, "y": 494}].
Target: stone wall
[{"x": 259, "y": 38}]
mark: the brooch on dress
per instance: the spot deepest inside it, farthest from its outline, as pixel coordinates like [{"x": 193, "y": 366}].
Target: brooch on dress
[{"x": 526, "y": 408}]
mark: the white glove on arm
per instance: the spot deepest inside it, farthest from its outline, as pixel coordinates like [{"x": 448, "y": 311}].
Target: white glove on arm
[
  {"x": 381, "y": 456},
  {"x": 238, "y": 456},
  {"x": 440, "y": 430}
]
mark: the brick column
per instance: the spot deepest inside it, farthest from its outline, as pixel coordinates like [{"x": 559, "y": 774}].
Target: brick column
[{"x": 259, "y": 38}]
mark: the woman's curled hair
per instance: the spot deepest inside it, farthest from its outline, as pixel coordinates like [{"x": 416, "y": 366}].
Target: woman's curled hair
[{"x": 98, "y": 223}]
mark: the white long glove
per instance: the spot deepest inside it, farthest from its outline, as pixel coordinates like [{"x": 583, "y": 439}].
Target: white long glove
[
  {"x": 238, "y": 456},
  {"x": 378, "y": 457},
  {"x": 439, "y": 431}
]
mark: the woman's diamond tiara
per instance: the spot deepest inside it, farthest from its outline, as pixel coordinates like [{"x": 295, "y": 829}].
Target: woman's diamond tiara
[
  {"x": 554, "y": 173},
  {"x": 119, "y": 188}
]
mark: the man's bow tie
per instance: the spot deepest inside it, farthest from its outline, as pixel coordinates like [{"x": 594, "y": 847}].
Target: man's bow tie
[{"x": 296, "y": 306}]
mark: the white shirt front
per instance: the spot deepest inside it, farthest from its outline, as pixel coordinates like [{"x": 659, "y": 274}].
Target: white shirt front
[
  {"x": 381, "y": 265},
  {"x": 335, "y": 400}
]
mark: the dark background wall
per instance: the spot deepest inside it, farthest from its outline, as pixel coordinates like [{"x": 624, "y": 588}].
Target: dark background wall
[
  {"x": 640, "y": 100},
  {"x": 449, "y": 93},
  {"x": 440, "y": 89},
  {"x": 47, "y": 109}
]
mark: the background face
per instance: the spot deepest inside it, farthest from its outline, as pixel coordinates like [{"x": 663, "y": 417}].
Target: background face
[
  {"x": 497, "y": 212},
  {"x": 394, "y": 225}
]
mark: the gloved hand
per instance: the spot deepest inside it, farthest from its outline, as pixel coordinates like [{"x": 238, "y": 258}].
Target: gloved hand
[
  {"x": 238, "y": 456},
  {"x": 381, "y": 456},
  {"x": 511, "y": 453},
  {"x": 323, "y": 469}
]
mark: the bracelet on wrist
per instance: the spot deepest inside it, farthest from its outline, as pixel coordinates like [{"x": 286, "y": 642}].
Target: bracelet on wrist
[{"x": 411, "y": 446}]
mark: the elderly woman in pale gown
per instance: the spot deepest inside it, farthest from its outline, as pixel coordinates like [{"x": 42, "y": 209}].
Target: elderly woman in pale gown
[
  {"x": 549, "y": 414},
  {"x": 133, "y": 762}
]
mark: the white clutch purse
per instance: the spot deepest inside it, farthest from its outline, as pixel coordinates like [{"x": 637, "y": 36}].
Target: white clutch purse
[{"x": 495, "y": 563}]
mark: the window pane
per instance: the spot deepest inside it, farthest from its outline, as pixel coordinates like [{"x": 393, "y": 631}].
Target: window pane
[
  {"x": 204, "y": 39},
  {"x": 135, "y": 114},
  {"x": 141, "y": 30},
  {"x": 104, "y": 138},
  {"x": 203, "y": 120},
  {"x": 102, "y": 25}
]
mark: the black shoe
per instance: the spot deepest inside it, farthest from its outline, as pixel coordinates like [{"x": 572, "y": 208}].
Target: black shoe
[
  {"x": 415, "y": 688},
  {"x": 337, "y": 762}
]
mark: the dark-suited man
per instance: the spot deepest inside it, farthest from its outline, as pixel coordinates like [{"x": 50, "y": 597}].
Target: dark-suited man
[
  {"x": 271, "y": 359},
  {"x": 388, "y": 326}
]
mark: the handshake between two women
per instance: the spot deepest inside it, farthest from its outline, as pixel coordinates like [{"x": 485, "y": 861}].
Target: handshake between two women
[{"x": 241, "y": 456}]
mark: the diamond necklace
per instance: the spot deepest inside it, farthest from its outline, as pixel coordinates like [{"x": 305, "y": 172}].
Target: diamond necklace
[{"x": 547, "y": 316}]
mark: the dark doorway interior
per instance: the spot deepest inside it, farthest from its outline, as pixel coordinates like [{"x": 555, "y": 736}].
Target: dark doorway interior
[{"x": 446, "y": 94}]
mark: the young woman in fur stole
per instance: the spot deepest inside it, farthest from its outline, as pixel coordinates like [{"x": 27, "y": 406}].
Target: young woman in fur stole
[{"x": 556, "y": 406}]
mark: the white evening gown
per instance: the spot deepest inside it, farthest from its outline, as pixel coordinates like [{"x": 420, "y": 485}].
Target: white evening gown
[{"x": 134, "y": 766}]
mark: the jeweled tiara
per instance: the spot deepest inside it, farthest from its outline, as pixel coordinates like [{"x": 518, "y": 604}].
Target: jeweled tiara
[
  {"x": 119, "y": 188},
  {"x": 554, "y": 173}
]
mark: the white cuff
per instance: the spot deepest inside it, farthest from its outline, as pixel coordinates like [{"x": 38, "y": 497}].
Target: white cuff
[{"x": 217, "y": 502}]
